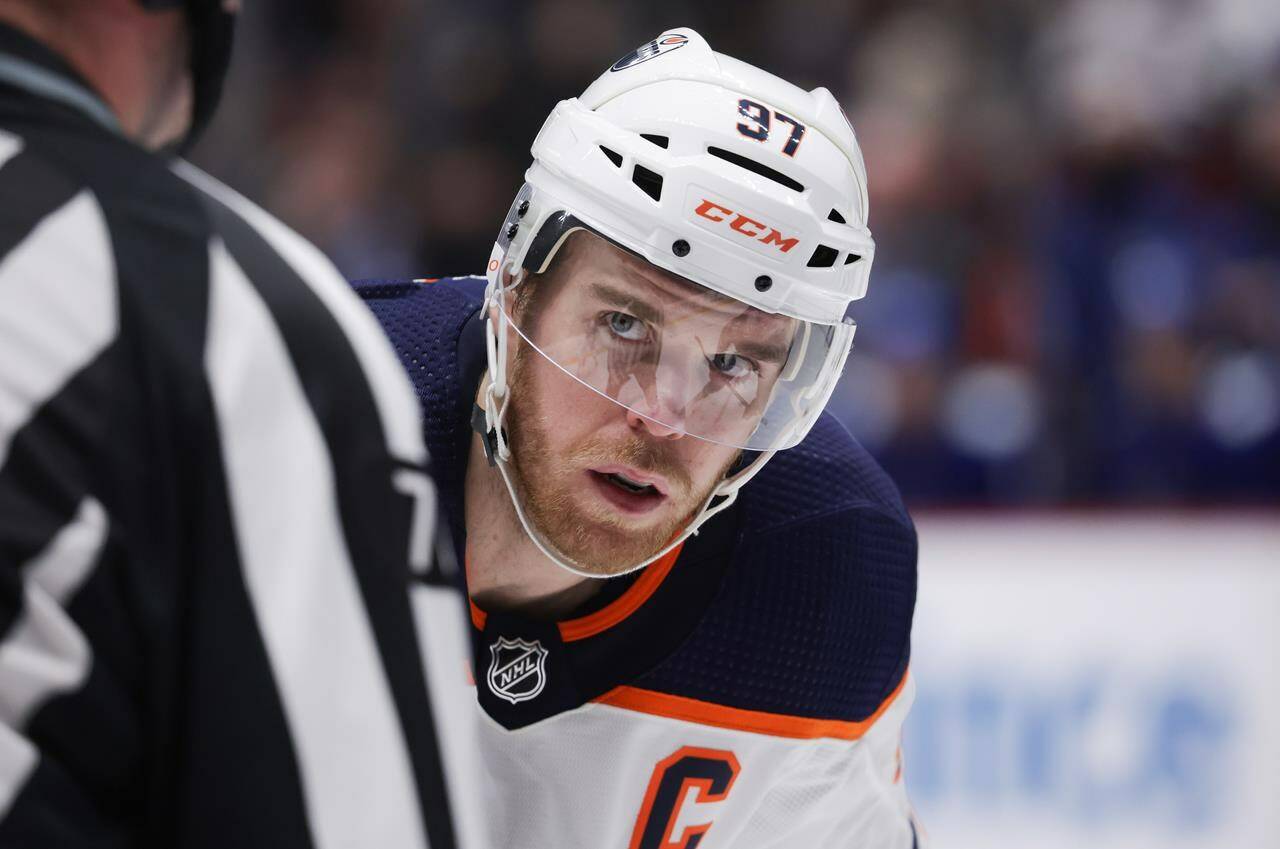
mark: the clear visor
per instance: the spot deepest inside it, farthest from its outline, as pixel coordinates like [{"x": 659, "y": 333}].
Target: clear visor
[{"x": 688, "y": 360}]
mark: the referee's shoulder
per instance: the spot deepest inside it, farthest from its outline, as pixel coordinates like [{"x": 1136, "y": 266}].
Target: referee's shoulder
[
  {"x": 141, "y": 201},
  {"x": 117, "y": 171}
]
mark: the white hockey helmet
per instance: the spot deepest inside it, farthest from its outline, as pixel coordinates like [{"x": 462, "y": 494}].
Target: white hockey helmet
[{"x": 726, "y": 176}]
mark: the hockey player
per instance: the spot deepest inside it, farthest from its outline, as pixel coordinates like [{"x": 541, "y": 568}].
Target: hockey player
[{"x": 691, "y": 589}]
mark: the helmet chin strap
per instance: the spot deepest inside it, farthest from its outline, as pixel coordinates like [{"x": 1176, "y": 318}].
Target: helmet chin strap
[{"x": 496, "y": 399}]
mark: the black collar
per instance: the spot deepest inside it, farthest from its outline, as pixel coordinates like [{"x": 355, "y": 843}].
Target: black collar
[{"x": 42, "y": 73}]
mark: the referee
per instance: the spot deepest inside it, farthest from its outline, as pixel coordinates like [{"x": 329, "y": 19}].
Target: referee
[{"x": 221, "y": 623}]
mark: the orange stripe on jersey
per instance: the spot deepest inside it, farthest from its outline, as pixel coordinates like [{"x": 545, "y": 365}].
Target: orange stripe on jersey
[
  {"x": 624, "y": 605},
  {"x": 478, "y": 616},
  {"x": 608, "y": 616},
  {"x": 757, "y": 722}
]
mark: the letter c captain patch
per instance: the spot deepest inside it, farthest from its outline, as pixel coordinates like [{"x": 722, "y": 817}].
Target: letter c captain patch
[
  {"x": 691, "y": 776},
  {"x": 517, "y": 669}
]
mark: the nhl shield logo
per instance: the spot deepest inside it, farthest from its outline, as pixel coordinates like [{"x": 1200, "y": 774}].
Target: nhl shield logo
[{"x": 517, "y": 671}]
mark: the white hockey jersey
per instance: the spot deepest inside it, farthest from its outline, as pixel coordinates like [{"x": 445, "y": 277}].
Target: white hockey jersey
[{"x": 641, "y": 771}]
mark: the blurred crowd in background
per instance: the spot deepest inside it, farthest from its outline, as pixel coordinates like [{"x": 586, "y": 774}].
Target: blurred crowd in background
[{"x": 1076, "y": 292}]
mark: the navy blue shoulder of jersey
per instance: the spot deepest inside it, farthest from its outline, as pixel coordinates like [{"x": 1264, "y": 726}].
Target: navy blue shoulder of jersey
[
  {"x": 425, "y": 322},
  {"x": 813, "y": 617}
]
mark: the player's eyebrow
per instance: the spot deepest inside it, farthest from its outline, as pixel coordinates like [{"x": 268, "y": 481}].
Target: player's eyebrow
[
  {"x": 628, "y": 301},
  {"x": 763, "y": 352}
]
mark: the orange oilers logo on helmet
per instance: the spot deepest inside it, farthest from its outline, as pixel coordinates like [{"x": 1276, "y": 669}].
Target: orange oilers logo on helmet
[
  {"x": 652, "y": 50},
  {"x": 745, "y": 225}
]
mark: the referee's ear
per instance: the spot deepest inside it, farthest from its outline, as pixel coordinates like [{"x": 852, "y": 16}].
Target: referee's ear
[{"x": 208, "y": 32}]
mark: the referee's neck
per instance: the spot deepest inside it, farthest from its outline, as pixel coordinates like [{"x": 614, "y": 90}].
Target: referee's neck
[{"x": 135, "y": 60}]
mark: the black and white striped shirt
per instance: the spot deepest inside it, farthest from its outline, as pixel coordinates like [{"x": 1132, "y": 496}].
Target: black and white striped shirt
[{"x": 221, "y": 623}]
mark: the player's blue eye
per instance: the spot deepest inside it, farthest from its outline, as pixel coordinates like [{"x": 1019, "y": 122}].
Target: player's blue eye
[
  {"x": 731, "y": 366},
  {"x": 627, "y": 326}
]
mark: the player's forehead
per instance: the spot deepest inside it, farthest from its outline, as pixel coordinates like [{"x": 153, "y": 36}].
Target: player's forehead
[{"x": 596, "y": 266}]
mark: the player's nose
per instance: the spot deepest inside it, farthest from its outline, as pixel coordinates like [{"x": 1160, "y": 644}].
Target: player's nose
[
  {"x": 661, "y": 429},
  {"x": 663, "y": 408}
]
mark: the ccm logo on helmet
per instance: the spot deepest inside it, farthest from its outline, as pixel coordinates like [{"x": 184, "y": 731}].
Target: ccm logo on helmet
[{"x": 746, "y": 226}]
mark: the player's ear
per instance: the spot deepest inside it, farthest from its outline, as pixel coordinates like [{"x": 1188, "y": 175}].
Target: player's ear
[
  {"x": 502, "y": 298},
  {"x": 511, "y": 299},
  {"x": 514, "y": 285},
  {"x": 519, "y": 295}
]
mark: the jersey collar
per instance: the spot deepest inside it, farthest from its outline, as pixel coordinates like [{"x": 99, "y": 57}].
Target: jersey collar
[{"x": 28, "y": 65}]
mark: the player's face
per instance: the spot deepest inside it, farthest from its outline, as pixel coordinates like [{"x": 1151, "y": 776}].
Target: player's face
[{"x": 608, "y": 486}]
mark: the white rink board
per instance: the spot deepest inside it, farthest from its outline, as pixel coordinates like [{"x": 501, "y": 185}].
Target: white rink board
[{"x": 1097, "y": 680}]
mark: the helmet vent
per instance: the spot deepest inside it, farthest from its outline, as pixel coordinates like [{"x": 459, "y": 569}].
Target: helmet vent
[
  {"x": 650, "y": 182},
  {"x": 852, "y": 258},
  {"x": 660, "y": 141},
  {"x": 823, "y": 257},
  {"x": 835, "y": 216},
  {"x": 614, "y": 156},
  {"x": 755, "y": 167}
]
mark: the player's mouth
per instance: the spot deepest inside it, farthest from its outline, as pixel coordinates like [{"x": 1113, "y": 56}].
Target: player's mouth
[{"x": 628, "y": 489}]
